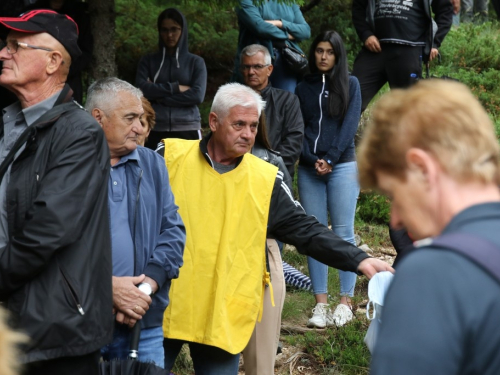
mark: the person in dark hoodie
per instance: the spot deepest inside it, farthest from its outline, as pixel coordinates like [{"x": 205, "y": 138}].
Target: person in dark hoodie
[
  {"x": 330, "y": 102},
  {"x": 174, "y": 81}
]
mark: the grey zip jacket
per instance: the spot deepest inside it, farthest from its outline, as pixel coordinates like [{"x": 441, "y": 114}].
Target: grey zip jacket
[{"x": 159, "y": 75}]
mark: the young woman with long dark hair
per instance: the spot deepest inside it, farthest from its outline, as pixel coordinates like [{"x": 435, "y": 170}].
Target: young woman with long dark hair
[{"x": 330, "y": 101}]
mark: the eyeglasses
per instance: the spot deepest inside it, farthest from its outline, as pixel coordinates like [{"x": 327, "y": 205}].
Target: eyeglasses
[
  {"x": 172, "y": 30},
  {"x": 254, "y": 67},
  {"x": 12, "y": 47}
]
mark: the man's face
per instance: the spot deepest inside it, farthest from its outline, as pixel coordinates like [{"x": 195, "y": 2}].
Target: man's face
[
  {"x": 122, "y": 124},
  {"x": 27, "y": 65},
  {"x": 412, "y": 206},
  {"x": 255, "y": 72},
  {"x": 234, "y": 135},
  {"x": 170, "y": 32}
]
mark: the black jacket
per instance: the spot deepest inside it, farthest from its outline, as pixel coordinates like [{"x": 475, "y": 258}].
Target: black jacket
[
  {"x": 159, "y": 75},
  {"x": 274, "y": 158},
  {"x": 363, "y": 12},
  {"x": 284, "y": 124},
  {"x": 55, "y": 272}
]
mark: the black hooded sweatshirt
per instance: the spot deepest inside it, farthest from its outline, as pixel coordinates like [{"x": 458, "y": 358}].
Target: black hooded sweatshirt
[{"x": 159, "y": 75}]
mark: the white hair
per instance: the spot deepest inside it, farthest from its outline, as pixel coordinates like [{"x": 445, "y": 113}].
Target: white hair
[
  {"x": 235, "y": 94},
  {"x": 102, "y": 93},
  {"x": 253, "y": 49}
]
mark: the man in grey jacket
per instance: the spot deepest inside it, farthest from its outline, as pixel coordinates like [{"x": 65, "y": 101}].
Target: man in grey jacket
[
  {"x": 284, "y": 122},
  {"x": 441, "y": 312}
]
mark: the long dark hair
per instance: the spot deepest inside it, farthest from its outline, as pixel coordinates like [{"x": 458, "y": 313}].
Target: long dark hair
[
  {"x": 261, "y": 136},
  {"x": 338, "y": 77}
]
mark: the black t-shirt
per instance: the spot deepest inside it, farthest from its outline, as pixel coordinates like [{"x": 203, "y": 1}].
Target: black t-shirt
[{"x": 401, "y": 21}]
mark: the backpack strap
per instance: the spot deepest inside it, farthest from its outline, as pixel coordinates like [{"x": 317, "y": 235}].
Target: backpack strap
[{"x": 482, "y": 252}]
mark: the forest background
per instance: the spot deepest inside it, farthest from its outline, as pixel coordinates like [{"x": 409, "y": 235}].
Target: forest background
[{"x": 470, "y": 53}]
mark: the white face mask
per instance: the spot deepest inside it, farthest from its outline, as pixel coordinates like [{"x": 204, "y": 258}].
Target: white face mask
[{"x": 377, "y": 288}]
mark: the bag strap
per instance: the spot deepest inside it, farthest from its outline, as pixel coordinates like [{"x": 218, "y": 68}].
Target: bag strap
[{"x": 482, "y": 252}]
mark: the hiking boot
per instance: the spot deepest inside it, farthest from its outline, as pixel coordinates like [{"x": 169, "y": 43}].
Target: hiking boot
[
  {"x": 342, "y": 315},
  {"x": 322, "y": 316}
]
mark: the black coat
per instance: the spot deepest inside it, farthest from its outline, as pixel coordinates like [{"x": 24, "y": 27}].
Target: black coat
[
  {"x": 284, "y": 124},
  {"x": 55, "y": 272}
]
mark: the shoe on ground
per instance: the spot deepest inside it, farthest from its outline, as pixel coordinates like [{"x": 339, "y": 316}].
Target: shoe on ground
[
  {"x": 342, "y": 315},
  {"x": 322, "y": 316}
]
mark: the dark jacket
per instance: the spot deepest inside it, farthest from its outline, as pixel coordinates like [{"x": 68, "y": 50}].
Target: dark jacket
[
  {"x": 159, "y": 76},
  {"x": 443, "y": 307},
  {"x": 55, "y": 272},
  {"x": 289, "y": 223},
  {"x": 255, "y": 30},
  {"x": 284, "y": 124},
  {"x": 363, "y": 12},
  {"x": 158, "y": 231},
  {"x": 326, "y": 137},
  {"x": 275, "y": 159}
]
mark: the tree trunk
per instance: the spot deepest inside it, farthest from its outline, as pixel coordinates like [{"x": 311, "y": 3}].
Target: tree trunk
[{"x": 102, "y": 20}]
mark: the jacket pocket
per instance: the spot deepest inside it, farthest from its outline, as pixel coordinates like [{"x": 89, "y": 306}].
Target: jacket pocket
[{"x": 73, "y": 295}]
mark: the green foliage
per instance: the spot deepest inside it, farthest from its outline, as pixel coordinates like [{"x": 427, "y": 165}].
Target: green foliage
[
  {"x": 471, "y": 54},
  {"x": 373, "y": 207}
]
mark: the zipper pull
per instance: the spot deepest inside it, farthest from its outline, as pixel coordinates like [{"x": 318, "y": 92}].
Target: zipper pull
[
  {"x": 323, "y": 78},
  {"x": 80, "y": 309}
]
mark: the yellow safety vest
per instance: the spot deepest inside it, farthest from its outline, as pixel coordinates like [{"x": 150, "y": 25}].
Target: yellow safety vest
[{"x": 218, "y": 295}]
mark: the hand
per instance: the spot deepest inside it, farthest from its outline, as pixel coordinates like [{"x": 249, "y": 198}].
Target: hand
[
  {"x": 128, "y": 299},
  {"x": 291, "y": 37},
  {"x": 125, "y": 319},
  {"x": 373, "y": 44},
  {"x": 456, "y": 6},
  {"x": 276, "y": 23},
  {"x": 153, "y": 283},
  {"x": 370, "y": 266},
  {"x": 322, "y": 167},
  {"x": 183, "y": 88},
  {"x": 434, "y": 53}
]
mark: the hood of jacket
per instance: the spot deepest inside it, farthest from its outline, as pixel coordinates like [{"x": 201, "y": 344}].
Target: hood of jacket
[{"x": 182, "y": 44}]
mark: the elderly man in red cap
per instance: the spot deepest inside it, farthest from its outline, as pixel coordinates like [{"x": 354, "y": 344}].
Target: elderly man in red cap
[{"x": 55, "y": 253}]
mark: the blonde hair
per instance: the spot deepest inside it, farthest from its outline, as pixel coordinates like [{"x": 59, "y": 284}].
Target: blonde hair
[
  {"x": 438, "y": 116},
  {"x": 9, "y": 352}
]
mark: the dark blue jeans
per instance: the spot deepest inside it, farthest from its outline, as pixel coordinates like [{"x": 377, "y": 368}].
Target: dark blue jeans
[
  {"x": 150, "y": 345},
  {"x": 207, "y": 360},
  {"x": 282, "y": 77}
]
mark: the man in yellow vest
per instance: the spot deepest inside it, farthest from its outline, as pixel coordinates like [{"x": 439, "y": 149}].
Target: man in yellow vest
[{"x": 230, "y": 201}]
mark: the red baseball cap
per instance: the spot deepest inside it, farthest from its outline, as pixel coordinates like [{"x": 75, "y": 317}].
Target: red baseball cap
[{"x": 60, "y": 26}]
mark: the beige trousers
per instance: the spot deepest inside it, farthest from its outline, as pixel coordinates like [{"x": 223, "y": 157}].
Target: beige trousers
[{"x": 260, "y": 353}]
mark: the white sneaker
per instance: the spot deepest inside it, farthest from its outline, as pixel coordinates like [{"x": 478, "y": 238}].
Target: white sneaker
[
  {"x": 322, "y": 316},
  {"x": 342, "y": 315}
]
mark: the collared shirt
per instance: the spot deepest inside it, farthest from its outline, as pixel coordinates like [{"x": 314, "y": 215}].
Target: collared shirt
[
  {"x": 16, "y": 120},
  {"x": 122, "y": 244}
]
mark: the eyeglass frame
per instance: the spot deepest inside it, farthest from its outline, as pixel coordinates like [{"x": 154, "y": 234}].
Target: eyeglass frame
[
  {"x": 171, "y": 30},
  {"x": 257, "y": 67},
  {"x": 23, "y": 45}
]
